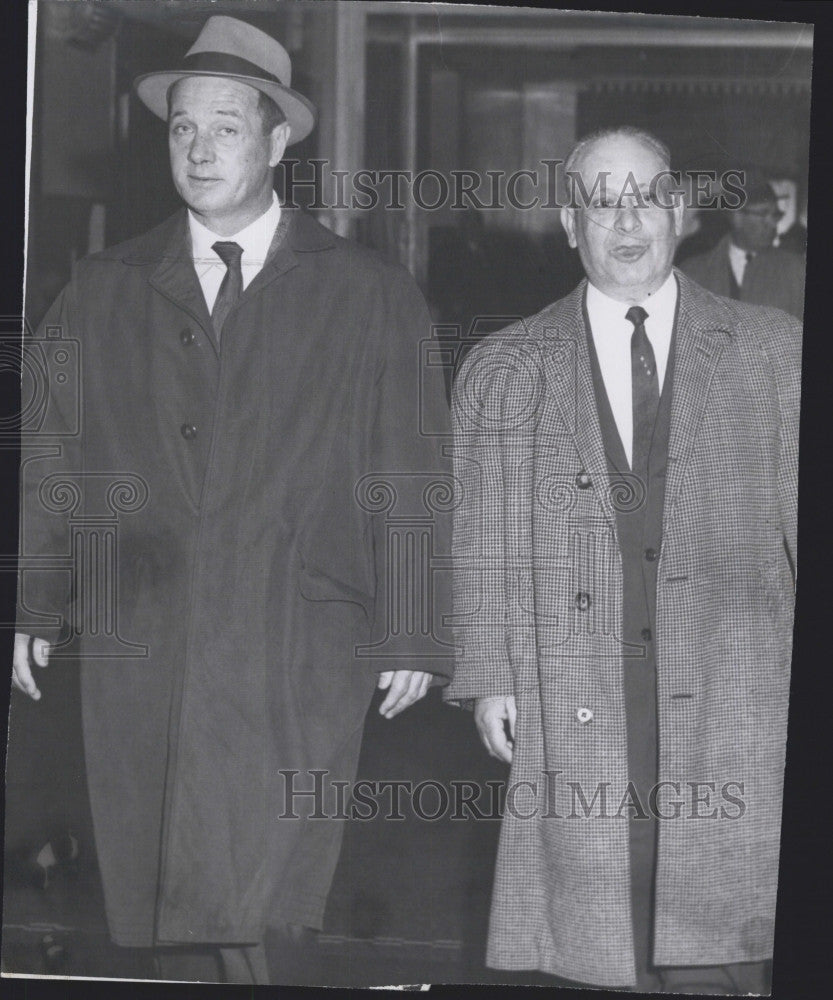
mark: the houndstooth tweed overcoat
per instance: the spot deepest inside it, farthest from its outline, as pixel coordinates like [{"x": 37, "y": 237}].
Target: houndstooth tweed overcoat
[{"x": 538, "y": 614}]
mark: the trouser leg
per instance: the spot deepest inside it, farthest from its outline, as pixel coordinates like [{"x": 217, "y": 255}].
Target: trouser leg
[
  {"x": 643, "y": 862},
  {"x": 736, "y": 979},
  {"x": 245, "y": 964},
  {"x": 187, "y": 964}
]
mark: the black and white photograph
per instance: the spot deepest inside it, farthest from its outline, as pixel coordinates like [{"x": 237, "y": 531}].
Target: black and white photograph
[{"x": 404, "y": 583}]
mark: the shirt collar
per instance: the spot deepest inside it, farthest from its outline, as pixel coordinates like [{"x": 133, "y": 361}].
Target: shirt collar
[
  {"x": 739, "y": 255},
  {"x": 660, "y": 306},
  {"x": 255, "y": 239}
]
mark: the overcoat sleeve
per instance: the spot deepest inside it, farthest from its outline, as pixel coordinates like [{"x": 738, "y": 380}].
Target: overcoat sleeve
[
  {"x": 783, "y": 349},
  {"x": 51, "y": 393},
  {"x": 413, "y": 487},
  {"x": 479, "y": 550}
]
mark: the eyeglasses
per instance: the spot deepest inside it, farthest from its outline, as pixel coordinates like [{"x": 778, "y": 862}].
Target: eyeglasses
[{"x": 765, "y": 212}]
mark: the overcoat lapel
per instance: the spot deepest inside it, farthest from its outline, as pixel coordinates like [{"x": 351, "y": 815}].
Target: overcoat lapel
[
  {"x": 177, "y": 280},
  {"x": 700, "y": 340},
  {"x": 568, "y": 381},
  {"x": 614, "y": 449},
  {"x": 295, "y": 235}
]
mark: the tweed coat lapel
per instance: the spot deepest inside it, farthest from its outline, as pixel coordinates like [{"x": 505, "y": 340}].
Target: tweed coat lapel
[
  {"x": 614, "y": 449},
  {"x": 703, "y": 327},
  {"x": 702, "y": 333},
  {"x": 568, "y": 381}
]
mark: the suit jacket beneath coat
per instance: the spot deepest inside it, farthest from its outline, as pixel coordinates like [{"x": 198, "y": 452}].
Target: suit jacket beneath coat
[
  {"x": 774, "y": 277},
  {"x": 538, "y": 615}
]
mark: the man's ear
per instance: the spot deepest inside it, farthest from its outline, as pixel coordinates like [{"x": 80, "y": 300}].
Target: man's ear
[
  {"x": 279, "y": 139},
  {"x": 568, "y": 221}
]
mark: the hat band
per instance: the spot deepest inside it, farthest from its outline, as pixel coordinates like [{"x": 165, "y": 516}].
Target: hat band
[{"x": 222, "y": 62}]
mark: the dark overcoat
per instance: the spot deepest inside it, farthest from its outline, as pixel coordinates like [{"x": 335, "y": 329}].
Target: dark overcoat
[
  {"x": 220, "y": 594},
  {"x": 538, "y": 613}
]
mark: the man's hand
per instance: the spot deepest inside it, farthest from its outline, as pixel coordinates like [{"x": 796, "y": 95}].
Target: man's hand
[
  {"x": 490, "y": 716},
  {"x": 404, "y": 688},
  {"x": 22, "y": 677}
]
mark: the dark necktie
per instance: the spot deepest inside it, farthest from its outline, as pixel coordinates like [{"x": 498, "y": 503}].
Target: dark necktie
[
  {"x": 645, "y": 389},
  {"x": 232, "y": 286}
]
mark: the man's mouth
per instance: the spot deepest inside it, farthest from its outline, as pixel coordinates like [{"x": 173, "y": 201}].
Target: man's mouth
[
  {"x": 202, "y": 180},
  {"x": 629, "y": 252}
]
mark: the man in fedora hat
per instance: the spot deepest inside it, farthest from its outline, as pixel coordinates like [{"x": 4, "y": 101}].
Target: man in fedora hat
[{"x": 244, "y": 369}]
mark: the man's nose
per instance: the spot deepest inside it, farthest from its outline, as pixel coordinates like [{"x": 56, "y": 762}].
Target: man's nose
[
  {"x": 627, "y": 219},
  {"x": 200, "y": 150}
]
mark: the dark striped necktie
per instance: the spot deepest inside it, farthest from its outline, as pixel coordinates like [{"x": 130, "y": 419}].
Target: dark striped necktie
[
  {"x": 230, "y": 254},
  {"x": 645, "y": 389}
]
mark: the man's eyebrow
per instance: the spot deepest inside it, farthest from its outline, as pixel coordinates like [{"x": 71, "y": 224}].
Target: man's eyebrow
[{"x": 231, "y": 113}]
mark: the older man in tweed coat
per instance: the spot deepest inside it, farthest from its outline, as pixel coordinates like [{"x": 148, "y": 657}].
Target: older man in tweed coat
[{"x": 624, "y": 572}]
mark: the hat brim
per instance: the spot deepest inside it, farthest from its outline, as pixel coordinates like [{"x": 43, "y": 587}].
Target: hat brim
[{"x": 152, "y": 89}]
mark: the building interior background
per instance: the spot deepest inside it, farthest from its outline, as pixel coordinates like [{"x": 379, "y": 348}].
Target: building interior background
[{"x": 398, "y": 87}]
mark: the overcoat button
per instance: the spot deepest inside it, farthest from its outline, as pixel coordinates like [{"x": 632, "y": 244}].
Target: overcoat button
[
  {"x": 188, "y": 431},
  {"x": 187, "y": 337},
  {"x": 651, "y": 555},
  {"x": 582, "y": 601},
  {"x": 583, "y": 481},
  {"x": 584, "y": 715},
  {"x": 646, "y": 635}
]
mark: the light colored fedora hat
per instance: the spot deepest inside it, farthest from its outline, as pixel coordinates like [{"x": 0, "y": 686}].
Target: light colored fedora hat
[{"x": 232, "y": 48}]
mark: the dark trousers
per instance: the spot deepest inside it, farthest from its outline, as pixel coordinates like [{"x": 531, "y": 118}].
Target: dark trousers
[
  {"x": 278, "y": 959},
  {"x": 244, "y": 964}
]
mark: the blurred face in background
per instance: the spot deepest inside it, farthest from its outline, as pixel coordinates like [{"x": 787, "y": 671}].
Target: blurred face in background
[
  {"x": 786, "y": 191},
  {"x": 753, "y": 227},
  {"x": 627, "y": 234}
]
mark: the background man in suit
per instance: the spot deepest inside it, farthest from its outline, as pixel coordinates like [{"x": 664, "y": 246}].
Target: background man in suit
[
  {"x": 242, "y": 370},
  {"x": 624, "y": 564},
  {"x": 745, "y": 265}
]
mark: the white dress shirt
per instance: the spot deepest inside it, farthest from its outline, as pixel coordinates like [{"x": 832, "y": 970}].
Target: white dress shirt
[
  {"x": 612, "y": 330},
  {"x": 255, "y": 240},
  {"x": 738, "y": 260}
]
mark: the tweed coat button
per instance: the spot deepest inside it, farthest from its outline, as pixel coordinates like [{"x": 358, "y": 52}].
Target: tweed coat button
[
  {"x": 188, "y": 431},
  {"x": 584, "y": 715},
  {"x": 186, "y": 337},
  {"x": 583, "y": 481},
  {"x": 582, "y": 600},
  {"x": 651, "y": 555}
]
